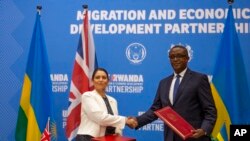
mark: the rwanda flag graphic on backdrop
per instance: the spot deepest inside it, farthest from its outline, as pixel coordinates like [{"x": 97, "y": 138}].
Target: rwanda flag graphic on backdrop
[
  {"x": 36, "y": 109},
  {"x": 229, "y": 83}
]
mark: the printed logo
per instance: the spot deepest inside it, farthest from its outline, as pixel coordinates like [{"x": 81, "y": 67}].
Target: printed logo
[
  {"x": 239, "y": 132},
  {"x": 125, "y": 83},
  {"x": 136, "y": 53},
  {"x": 59, "y": 83}
]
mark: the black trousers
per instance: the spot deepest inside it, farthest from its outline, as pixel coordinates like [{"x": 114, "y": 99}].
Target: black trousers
[{"x": 83, "y": 138}]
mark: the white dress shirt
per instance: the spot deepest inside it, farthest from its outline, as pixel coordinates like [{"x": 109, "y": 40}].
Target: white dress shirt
[{"x": 171, "y": 93}]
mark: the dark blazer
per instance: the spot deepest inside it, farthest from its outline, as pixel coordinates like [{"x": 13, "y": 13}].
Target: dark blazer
[{"x": 194, "y": 102}]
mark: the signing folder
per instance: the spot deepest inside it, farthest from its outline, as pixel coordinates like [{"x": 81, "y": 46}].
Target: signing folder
[{"x": 177, "y": 123}]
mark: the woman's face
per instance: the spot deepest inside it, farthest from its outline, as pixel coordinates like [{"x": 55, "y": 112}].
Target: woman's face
[{"x": 100, "y": 80}]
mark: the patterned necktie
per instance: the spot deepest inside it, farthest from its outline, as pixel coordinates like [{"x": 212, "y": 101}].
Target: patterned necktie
[
  {"x": 176, "y": 85},
  {"x": 109, "y": 129}
]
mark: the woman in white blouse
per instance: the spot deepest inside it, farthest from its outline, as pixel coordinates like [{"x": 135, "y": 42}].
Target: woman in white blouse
[{"x": 99, "y": 113}]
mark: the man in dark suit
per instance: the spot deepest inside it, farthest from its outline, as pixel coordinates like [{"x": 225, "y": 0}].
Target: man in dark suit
[{"x": 193, "y": 99}]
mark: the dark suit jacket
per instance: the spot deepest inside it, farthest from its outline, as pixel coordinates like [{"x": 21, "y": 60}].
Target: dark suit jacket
[{"x": 194, "y": 102}]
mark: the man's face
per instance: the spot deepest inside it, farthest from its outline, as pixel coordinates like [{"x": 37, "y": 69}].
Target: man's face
[{"x": 178, "y": 58}]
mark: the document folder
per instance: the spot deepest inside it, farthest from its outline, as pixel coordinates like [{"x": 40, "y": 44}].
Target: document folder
[
  {"x": 113, "y": 138},
  {"x": 177, "y": 123}
]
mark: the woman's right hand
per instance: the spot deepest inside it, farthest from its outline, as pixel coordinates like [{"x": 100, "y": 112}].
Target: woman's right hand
[{"x": 131, "y": 122}]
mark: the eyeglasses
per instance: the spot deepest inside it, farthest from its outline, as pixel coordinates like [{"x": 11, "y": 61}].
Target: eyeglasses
[{"x": 177, "y": 56}]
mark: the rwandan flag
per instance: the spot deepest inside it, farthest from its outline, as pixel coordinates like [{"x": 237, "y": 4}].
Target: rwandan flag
[
  {"x": 35, "y": 111},
  {"x": 229, "y": 83}
]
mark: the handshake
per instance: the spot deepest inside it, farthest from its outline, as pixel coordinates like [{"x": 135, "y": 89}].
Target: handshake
[{"x": 131, "y": 122}]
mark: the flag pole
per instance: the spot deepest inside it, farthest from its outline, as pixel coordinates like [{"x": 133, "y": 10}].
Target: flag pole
[
  {"x": 39, "y": 9},
  {"x": 85, "y": 6},
  {"x": 230, "y": 1}
]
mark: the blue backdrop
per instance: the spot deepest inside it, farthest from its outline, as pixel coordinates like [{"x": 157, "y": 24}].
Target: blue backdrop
[{"x": 131, "y": 38}]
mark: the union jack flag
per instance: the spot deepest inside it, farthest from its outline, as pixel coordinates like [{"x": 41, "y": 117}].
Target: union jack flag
[{"x": 84, "y": 65}]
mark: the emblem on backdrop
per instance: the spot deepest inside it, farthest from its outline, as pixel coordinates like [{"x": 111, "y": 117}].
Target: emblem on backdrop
[{"x": 136, "y": 53}]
